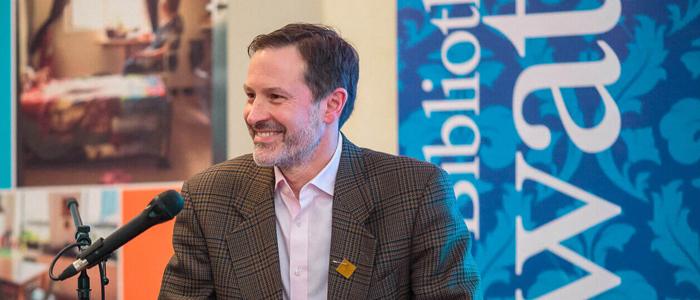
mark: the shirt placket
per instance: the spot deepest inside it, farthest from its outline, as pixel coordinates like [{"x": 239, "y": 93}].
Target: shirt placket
[{"x": 298, "y": 253}]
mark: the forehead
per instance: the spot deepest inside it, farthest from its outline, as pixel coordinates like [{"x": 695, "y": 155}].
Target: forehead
[{"x": 278, "y": 67}]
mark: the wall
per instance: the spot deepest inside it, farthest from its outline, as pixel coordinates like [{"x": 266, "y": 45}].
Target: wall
[{"x": 369, "y": 25}]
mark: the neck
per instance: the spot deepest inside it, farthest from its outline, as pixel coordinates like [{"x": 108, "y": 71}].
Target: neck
[{"x": 299, "y": 175}]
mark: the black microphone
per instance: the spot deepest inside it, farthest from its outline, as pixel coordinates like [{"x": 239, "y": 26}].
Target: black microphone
[{"x": 162, "y": 208}]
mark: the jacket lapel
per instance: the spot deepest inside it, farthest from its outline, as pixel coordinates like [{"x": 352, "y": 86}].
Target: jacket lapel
[
  {"x": 253, "y": 242},
  {"x": 350, "y": 239}
]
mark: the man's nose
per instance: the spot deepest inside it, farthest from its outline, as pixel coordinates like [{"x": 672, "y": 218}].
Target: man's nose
[{"x": 256, "y": 112}]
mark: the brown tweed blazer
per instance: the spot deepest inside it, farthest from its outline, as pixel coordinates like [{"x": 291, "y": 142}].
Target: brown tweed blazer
[{"x": 394, "y": 218}]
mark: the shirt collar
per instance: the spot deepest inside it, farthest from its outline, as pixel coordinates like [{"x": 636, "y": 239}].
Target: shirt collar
[{"x": 324, "y": 180}]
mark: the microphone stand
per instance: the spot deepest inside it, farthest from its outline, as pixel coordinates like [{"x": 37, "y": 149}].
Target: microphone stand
[
  {"x": 82, "y": 238},
  {"x": 82, "y": 235}
]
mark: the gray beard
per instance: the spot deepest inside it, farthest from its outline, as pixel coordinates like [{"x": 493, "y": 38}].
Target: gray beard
[
  {"x": 288, "y": 158},
  {"x": 296, "y": 150}
]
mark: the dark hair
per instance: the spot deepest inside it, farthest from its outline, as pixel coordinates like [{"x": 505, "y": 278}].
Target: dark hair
[
  {"x": 172, "y": 5},
  {"x": 331, "y": 62}
]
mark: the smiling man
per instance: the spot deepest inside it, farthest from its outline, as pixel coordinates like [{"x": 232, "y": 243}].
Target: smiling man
[
  {"x": 285, "y": 119},
  {"x": 309, "y": 215}
]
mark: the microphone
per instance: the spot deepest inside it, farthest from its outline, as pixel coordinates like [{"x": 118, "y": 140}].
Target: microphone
[{"x": 162, "y": 208}]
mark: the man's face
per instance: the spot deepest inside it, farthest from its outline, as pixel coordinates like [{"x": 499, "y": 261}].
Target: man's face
[{"x": 282, "y": 118}]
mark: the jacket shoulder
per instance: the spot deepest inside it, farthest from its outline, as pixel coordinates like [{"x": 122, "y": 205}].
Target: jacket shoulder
[
  {"x": 390, "y": 176},
  {"x": 222, "y": 178},
  {"x": 383, "y": 164}
]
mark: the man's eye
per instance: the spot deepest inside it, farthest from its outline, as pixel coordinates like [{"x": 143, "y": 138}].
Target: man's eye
[
  {"x": 275, "y": 96},
  {"x": 250, "y": 96}
]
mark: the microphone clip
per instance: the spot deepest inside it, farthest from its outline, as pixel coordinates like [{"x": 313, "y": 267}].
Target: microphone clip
[{"x": 82, "y": 234}]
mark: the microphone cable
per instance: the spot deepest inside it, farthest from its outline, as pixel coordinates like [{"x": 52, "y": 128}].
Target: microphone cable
[{"x": 102, "y": 265}]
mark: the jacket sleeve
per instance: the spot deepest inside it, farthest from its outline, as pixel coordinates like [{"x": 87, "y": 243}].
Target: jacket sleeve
[
  {"x": 442, "y": 264},
  {"x": 188, "y": 274}
]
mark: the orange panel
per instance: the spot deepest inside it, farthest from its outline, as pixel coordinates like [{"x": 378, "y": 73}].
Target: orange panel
[{"x": 145, "y": 256}]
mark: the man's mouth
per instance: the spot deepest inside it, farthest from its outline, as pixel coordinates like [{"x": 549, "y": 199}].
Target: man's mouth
[{"x": 267, "y": 133}]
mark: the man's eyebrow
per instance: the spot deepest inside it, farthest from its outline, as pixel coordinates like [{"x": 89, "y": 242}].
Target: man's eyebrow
[
  {"x": 268, "y": 90},
  {"x": 276, "y": 90}
]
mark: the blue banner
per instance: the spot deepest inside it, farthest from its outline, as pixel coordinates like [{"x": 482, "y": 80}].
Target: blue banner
[
  {"x": 571, "y": 133},
  {"x": 6, "y": 94}
]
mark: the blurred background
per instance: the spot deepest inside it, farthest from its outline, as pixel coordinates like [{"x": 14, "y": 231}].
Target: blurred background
[
  {"x": 113, "y": 91},
  {"x": 111, "y": 97}
]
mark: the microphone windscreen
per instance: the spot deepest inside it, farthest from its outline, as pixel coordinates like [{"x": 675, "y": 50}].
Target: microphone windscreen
[{"x": 172, "y": 202}]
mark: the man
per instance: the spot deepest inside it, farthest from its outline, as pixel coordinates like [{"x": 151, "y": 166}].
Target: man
[
  {"x": 309, "y": 215},
  {"x": 165, "y": 43}
]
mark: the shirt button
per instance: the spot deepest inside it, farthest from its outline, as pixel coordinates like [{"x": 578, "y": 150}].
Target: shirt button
[
  {"x": 287, "y": 191},
  {"x": 298, "y": 223},
  {"x": 297, "y": 272}
]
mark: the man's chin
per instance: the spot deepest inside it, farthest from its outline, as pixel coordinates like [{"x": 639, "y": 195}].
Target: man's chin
[
  {"x": 263, "y": 164},
  {"x": 264, "y": 157},
  {"x": 263, "y": 160}
]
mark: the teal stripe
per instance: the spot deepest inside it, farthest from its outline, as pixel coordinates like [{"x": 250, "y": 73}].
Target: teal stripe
[{"x": 6, "y": 94}]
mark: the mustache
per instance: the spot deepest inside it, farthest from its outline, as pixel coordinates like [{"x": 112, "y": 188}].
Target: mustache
[{"x": 267, "y": 125}]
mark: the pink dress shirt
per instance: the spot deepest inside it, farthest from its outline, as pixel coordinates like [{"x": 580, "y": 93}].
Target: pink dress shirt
[{"x": 304, "y": 232}]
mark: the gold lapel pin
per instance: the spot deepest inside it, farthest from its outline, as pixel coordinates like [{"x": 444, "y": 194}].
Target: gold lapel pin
[{"x": 345, "y": 268}]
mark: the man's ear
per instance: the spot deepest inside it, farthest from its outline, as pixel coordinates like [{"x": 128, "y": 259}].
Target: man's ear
[{"x": 334, "y": 105}]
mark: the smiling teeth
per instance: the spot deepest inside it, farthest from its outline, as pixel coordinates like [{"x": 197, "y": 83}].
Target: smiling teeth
[{"x": 266, "y": 134}]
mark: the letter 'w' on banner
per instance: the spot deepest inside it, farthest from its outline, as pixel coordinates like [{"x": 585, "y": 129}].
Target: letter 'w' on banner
[{"x": 550, "y": 235}]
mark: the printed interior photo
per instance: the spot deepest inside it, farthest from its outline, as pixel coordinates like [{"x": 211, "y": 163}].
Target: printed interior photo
[{"x": 113, "y": 91}]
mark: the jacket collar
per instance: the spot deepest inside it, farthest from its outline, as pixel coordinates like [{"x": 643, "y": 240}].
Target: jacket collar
[
  {"x": 350, "y": 239},
  {"x": 253, "y": 241}
]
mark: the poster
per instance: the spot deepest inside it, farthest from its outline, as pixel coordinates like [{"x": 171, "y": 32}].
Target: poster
[{"x": 570, "y": 130}]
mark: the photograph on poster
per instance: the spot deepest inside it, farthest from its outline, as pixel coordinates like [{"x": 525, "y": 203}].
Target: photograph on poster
[
  {"x": 35, "y": 225},
  {"x": 113, "y": 91}
]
